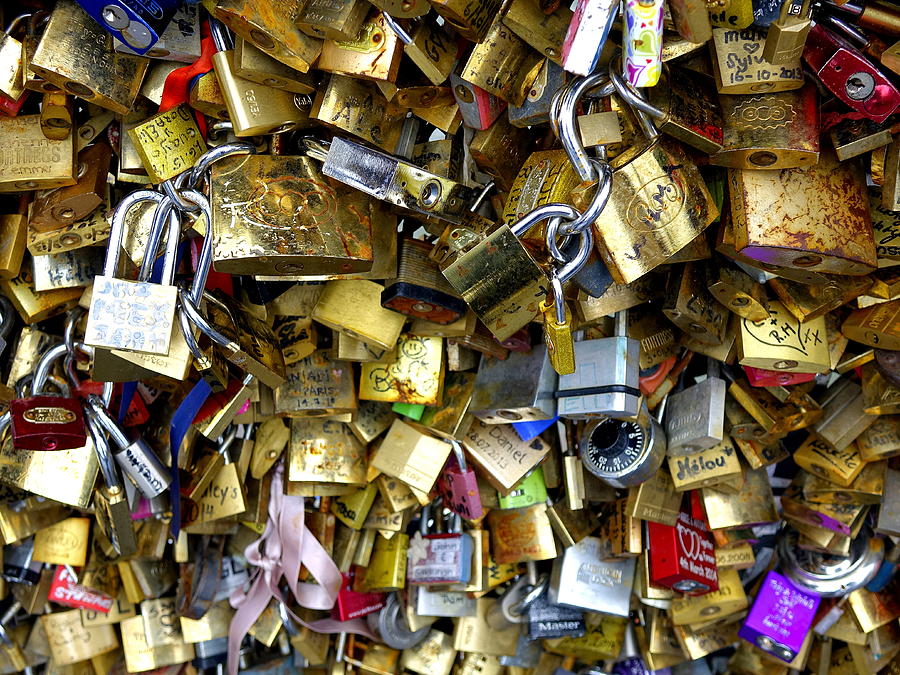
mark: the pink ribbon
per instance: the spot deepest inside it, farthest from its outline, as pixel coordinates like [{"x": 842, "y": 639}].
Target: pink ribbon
[{"x": 286, "y": 545}]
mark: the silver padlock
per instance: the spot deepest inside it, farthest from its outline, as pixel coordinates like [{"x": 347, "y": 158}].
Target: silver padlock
[
  {"x": 582, "y": 579},
  {"x": 695, "y": 416},
  {"x": 623, "y": 453},
  {"x": 135, "y": 458},
  {"x": 443, "y": 603},
  {"x": 829, "y": 575},
  {"x": 395, "y": 180},
  {"x": 606, "y": 377},
  {"x": 390, "y": 625},
  {"x": 518, "y": 389}
]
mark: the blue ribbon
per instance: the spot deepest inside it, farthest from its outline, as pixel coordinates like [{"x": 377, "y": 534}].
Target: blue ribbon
[{"x": 181, "y": 422}]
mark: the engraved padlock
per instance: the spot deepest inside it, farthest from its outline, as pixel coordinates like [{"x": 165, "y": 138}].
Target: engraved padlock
[
  {"x": 45, "y": 422},
  {"x": 132, "y": 315},
  {"x": 585, "y": 578},
  {"x": 439, "y": 559},
  {"x": 134, "y": 457},
  {"x": 695, "y": 416}
]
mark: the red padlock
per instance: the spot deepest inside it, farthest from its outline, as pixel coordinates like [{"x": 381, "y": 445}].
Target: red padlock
[
  {"x": 43, "y": 422},
  {"x": 849, "y": 75},
  {"x": 351, "y": 604},
  {"x": 458, "y": 486},
  {"x": 683, "y": 556},
  {"x": 760, "y": 377}
]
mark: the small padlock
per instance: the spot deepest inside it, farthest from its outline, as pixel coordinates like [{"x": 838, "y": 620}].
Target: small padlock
[
  {"x": 351, "y": 604},
  {"x": 787, "y": 34},
  {"x": 458, "y": 485},
  {"x": 439, "y": 559},
  {"x": 682, "y": 557},
  {"x": 135, "y": 458},
  {"x": 113, "y": 513},
  {"x": 695, "y": 416},
  {"x": 66, "y": 205},
  {"x": 780, "y": 618},
  {"x": 587, "y": 35},
  {"x": 847, "y": 74},
  {"x": 44, "y": 422},
  {"x": 547, "y": 620},
  {"x": 87, "y": 67}
]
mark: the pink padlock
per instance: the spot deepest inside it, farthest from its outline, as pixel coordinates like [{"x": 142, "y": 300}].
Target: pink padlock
[{"x": 459, "y": 486}]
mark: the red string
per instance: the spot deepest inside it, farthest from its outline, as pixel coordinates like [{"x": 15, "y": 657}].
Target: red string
[{"x": 177, "y": 87}]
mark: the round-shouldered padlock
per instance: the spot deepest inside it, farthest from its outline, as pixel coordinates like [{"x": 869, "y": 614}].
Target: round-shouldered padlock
[{"x": 830, "y": 575}]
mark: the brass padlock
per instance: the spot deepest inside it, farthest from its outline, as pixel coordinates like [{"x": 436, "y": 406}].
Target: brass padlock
[
  {"x": 770, "y": 131},
  {"x": 76, "y": 55},
  {"x": 63, "y": 206},
  {"x": 774, "y": 211},
  {"x": 650, "y": 219},
  {"x": 291, "y": 221}
]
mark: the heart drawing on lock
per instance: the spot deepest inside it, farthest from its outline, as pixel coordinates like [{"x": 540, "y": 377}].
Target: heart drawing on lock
[
  {"x": 776, "y": 334},
  {"x": 751, "y": 47}
]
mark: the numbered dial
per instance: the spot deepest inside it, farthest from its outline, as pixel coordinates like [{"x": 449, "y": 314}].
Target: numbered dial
[{"x": 622, "y": 452}]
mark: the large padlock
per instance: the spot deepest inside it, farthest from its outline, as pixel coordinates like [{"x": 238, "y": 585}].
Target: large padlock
[
  {"x": 291, "y": 220},
  {"x": 774, "y": 211},
  {"x": 45, "y": 422},
  {"x": 132, "y": 315}
]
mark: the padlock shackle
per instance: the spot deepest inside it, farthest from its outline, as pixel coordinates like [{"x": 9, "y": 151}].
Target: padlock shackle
[
  {"x": 97, "y": 409},
  {"x": 543, "y": 212},
  {"x": 563, "y": 109},
  {"x": 117, "y": 228},
  {"x": 7, "y": 318},
  {"x": 221, "y": 35},
  {"x": 397, "y": 28},
  {"x": 101, "y": 448},
  {"x": 45, "y": 365},
  {"x": 198, "y": 172},
  {"x": 643, "y": 110}
]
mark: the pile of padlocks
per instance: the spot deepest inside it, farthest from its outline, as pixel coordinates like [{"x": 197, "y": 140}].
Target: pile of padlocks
[{"x": 468, "y": 337}]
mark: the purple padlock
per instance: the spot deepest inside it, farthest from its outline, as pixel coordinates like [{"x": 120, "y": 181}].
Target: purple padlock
[{"x": 781, "y": 617}]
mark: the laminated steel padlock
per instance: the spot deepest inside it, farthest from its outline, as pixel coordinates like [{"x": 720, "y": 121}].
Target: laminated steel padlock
[{"x": 605, "y": 381}]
